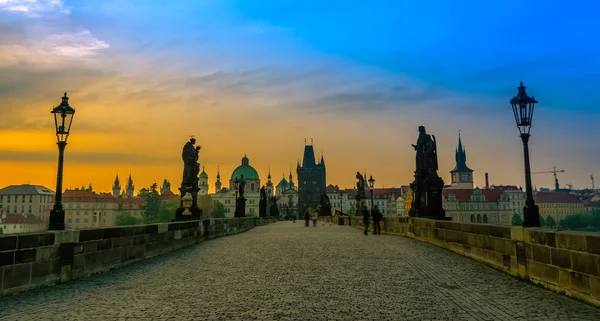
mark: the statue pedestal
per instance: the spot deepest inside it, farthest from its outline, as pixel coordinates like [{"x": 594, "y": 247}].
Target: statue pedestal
[
  {"x": 240, "y": 207},
  {"x": 361, "y": 202},
  {"x": 194, "y": 209},
  {"x": 427, "y": 198}
]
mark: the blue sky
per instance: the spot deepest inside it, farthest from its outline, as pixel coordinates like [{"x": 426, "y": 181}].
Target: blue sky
[{"x": 312, "y": 69}]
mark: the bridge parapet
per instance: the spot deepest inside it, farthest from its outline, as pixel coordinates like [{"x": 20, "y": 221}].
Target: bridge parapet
[
  {"x": 33, "y": 260},
  {"x": 564, "y": 261}
]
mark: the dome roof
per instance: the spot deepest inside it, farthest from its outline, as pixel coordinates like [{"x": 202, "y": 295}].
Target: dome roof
[
  {"x": 245, "y": 170},
  {"x": 283, "y": 183},
  {"x": 203, "y": 174}
]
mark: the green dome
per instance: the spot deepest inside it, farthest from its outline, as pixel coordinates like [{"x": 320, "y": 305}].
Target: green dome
[
  {"x": 203, "y": 175},
  {"x": 245, "y": 170}
]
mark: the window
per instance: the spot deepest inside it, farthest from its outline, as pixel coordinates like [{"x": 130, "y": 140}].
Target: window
[
  {"x": 29, "y": 208},
  {"x": 478, "y": 218},
  {"x": 30, "y": 198},
  {"x": 70, "y": 220},
  {"x": 85, "y": 220},
  {"x": 23, "y": 199},
  {"x": 70, "y": 205},
  {"x": 77, "y": 221},
  {"x": 77, "y": 212},
  {"x": 78, "y": 206},
  {"x": 485, "y": 218}
]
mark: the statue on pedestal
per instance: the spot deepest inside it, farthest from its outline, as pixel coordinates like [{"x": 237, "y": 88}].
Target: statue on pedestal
[
  {"x": 361, "y": 184},
  {"x": 189, "y": 183},
  {"x": 427, "y": 186}
]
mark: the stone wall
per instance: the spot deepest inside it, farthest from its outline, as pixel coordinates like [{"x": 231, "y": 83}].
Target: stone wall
[
  {"x": 29, "y": 261},
  {"x": 564, "y": 261}
]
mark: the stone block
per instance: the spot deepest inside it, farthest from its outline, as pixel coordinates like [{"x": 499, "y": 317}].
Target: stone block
[
  {"x": 543, "y": 272},
  {"x": 65, "y": 253},
  {"x": 66, "y": 273},
  {"x": 173, "y": 226},
  {"x": 113, "y": 257},
  {"x": 104, "y": 244},
  {"x": 483, "y": 242},
  {"x": 7, "y": 258},
  {"x": 595, "y": 287},
  {"x": 78, "y": 265},
  {"x": 90, "y": 235},
  {"x": 35, "y": 240},
  {"x": 16, "y": 277},
  {"x": 585, "y": 263},
  {"x": 25, "y": 256},
  {"x": 481, "y": 229},
  {"x": 506, "y": 261},
  {"x": 41, "y": 273},
  {"x": 8, "y": 243},
  {"x": 46, "y": 253},
  {"x": 127, "y": 231},
  {"x": 593, "y": 244},
  {"x": 94, "y": 261},
  {"x": 78, "y": 248},
  {"x": 571, "y": 241},
  {"x": 541, "y": 254},
  {"x": 580, "y": 282},
  {"x": 138, "y": 230},
  {"x": 540, "y": 236},
  {"x": 111, "y": 233},
  {"x": 517, "y": 233},
  {"x": 564, "y": 278},
  {"x": 121, "y": 242},
  {"x": 163, "y": 227},
  {"x": 151, "y": 229},
  {"x": 136, "y": 252},
  {"x": 91, "y": 246},
  {"x": 178, "y": 234},
  {"x": 141, "y": 239},
  {"x": 499, "y": 231},
  {"x": 561, "y": 258},
  {"x": 467, "y": 249}
]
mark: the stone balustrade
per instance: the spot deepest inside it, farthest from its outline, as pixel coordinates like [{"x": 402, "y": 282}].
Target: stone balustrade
[
  {"x": 564, "y": 261},
  {"x": 33, "y": 260}
]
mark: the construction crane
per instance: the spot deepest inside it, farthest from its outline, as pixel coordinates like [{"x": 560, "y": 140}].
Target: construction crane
[{"x": 555, "y": 171}]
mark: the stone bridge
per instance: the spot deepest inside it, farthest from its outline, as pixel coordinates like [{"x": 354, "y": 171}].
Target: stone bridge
[{"x": 284, "y": 271}]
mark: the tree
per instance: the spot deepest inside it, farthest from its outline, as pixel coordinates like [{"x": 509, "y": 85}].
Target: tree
[
  {"x": 516, "y": 220},
  {"x": 166, "y": 211},
  {"x": 352, "y": 209},
  {"x": 550, "y": 221},
  {"x": 218, "y": 210},
  {"x": 126, "y": 218},
  {"x": 574, "y": 221},
  {"x": 152, "y": 205},
  {"x": 205, "y": 203},
  {"x": 542, "y": 221}
]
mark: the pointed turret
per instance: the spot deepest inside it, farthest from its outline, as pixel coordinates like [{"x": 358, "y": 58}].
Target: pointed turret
[
  {"x": 291, "y": 181},
  {"x": 218, "y": 184},
  {"x": 90, "y": 189},
  {"x": 322, "y": 162},
  {"x": 116, "y": 188},
  {"x": 130, "y": 189},
  {"x": 462, "y": 175},
  {"x": 308, "y": 161}
]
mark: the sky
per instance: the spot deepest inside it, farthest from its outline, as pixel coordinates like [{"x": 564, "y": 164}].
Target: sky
[{"x": 259, "y": 77}]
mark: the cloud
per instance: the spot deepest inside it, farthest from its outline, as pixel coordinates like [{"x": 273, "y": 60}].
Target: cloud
[{"x": 34, "y": 8}]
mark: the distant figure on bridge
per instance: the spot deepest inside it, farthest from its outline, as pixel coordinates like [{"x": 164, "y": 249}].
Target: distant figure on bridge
[
  {"x": 315, "y": 215},
  {"x": 306, "y": 217},
  {"x": 377, "y": 217},
  {"x": 366, "y": 219}
]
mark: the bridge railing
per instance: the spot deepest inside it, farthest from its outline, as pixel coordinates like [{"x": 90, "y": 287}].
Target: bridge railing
[
  {"x": 564, "y": 261},
  {"x": 33, "y": 260}
]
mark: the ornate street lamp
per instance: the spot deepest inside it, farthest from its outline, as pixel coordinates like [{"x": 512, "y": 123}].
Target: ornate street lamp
[
  {"x": 371, "y": 184},
  {"x": 63, "y": 117},
  {"x": 523, "y": 106}
]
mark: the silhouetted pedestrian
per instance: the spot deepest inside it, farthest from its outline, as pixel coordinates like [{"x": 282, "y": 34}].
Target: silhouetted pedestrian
[
  {"x": 366, "y": 219},
  {"x": 306, "y": 218},
  {"x": 377, "y": 217}
]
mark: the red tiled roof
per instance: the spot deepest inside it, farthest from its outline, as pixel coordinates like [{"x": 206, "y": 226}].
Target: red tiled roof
[
  {"x": 332, "y": 189},
  {"x": 556, "y": 197},
  {"x": 167, "y": 193},
  {"x": 21, "y": 219}
]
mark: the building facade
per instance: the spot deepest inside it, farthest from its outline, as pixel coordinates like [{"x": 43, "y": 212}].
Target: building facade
[
  {"x": 487, "y": 206},
  {"x": 558, "y": 205},
  {"x": 25, "y": 206},
  {"x": 312, "y": 180}
]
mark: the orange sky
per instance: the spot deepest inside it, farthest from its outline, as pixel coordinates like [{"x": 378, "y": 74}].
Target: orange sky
[{"x": 139, "y": 98}]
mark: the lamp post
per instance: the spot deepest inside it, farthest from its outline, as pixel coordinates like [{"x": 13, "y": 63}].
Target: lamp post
[
  {"x": 63, "y": 117},
  {"x": 341, "y": 203},
  {"x": 371, "y": 184},
  {"x": 523, "y": 106}
]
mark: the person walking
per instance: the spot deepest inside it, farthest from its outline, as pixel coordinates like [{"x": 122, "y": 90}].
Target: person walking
[
  {"x": 366, "y": 219},
  {"x": 315, "y": 215},
  {"x": 377, "y": 217},
  {"x": 306, "y": 217}
]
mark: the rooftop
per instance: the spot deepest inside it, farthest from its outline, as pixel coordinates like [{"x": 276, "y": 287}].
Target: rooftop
[
  {"x": 26, "y": 189},
  {"x": 556, "y": 197}
]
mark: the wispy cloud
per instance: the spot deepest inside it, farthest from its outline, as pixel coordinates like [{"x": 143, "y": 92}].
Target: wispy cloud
[{"x": 34, "y": 8}]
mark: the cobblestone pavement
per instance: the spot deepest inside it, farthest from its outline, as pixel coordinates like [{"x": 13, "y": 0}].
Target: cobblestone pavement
[{"x": 285, "y": 271}]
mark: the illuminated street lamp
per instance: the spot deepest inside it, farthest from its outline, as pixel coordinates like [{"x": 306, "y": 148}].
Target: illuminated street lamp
[
  {"x": 371, "y": 184},
  {"x": 63, "y": 117},
  {"x": 523, "y": 106}
]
